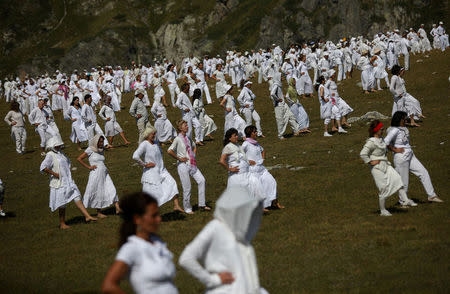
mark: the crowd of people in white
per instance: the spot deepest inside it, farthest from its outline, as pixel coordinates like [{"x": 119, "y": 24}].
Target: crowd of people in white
[{"x": 81, "y": 96}]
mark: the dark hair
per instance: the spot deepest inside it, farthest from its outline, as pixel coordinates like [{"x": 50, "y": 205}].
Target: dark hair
[
  {"x": 397, "y": 117},
  {"x": 131, "y": 205},
  {"x": 73, "y": 100},
  {"x": 197, "y": 94},
  {"x": 184, "y": 86},
  {"x": 319, "y": 81},
  {"x": 228, "y": 135},
  {"x": 395, "y": 70},
  {"x": 249, "y": 130},
  {"x": 372, "y": 126},
  {"x": 169, "y": 66},
  {"x": 87, "y": 96},
  {"x": 15, "y": 106}
]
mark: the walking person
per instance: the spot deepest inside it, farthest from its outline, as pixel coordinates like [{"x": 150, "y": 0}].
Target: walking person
[
  {"x": 112, "y": 127},
  {"x": 139, "y": 111},
  {"x": 16, "y": 120}
]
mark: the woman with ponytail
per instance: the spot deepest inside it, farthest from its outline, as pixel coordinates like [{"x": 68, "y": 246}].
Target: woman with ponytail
[{"x": 142, "y": 254}]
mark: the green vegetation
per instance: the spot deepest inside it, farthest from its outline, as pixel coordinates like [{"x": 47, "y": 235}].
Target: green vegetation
[{"x": 329, "y": 239}]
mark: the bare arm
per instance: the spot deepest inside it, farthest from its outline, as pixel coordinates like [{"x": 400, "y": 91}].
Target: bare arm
[
  {"x": 223, "y": 162},
  {"x": 171, "y": 153},
  {"x": 80, "y": 160},
  {"x": 116, "y": 272},
  {"x": 50, "y": 172}
]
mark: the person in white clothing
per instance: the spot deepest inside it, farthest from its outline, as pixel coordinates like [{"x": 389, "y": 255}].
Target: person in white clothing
[
  {"x": 297, "y": 108},
  {"x": 38, "y": 117},
  {"x": 387, "y": 179},
  {"x": 221, "y": 256},
  {"x": 405, "y": 160},
  {"x": 188, "y": 115},
  {"x": 403, "y": 101},
  {"x": 90, "y": 120},
  {"x": 325, "y": 104},
  {"x": 232, "y": 118},
  {"x": 246, "y": 99},
  {"x": 156, "y": 180},
  {"x": 221, "y": 83},
  {"x": 379, "y": 70},
  {"x": 112, "y": 127},
  {"x": 283, "y": 114},
  {"x": 16, "y": 120},
  {"x": 184, "y": 151},
  {"x": 100, "y": 190},
  {"x": 79, "y": 132},
  {"x": 208, "y": 125},
  {"x": 201, "y": 82},
  {"x": 171, "y": 80},
  {"x": 143, "y": 257},
  {"x": 63, "y": 189},
  {"x": 256, "y": 155},
  {"x": 165, "y": 132}
]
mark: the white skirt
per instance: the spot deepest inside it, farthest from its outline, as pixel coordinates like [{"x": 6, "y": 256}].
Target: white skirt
[
  {"x": 387, "y": 179},
  {"x": 100, "y": 191},
  {"x": 163, "y": 192},
  {"x": 164, "y": 130},
  {"x": 300, "y": 115},
  {"x": 60, "y": 197},
  {"x": 112, "y": 128}
]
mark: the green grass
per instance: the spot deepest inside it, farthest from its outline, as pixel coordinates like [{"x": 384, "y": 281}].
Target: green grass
[{"x": 328, "y": 239}]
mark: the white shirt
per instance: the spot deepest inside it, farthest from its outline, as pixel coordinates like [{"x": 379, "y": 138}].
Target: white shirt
[
  {"x": 179, "y": 147},
  {"x": 151, "y": 266}
]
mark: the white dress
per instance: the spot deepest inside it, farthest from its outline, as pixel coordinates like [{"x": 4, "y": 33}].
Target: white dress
[
  {"x": 207, "y": 123},
  {"x": 299, "y": 112},
  {"x": 386, "y": 178},
  {"x": 220, "y": 84},
  {"x": 100, "y": 191},
  {"x": 164, "y": 128},
  {"x": 268, "y": 182},
  {"x": 79, "y": 132},
  {"x": 325, "y": 106},
  {"x": 232, "y": 118},
  {"x": 344, "y": 108},
  {"x": 242, "y": 178},
  {"x": 62, "y": 190},
  {"x": 403, "y": 101},
  {"x": 156, "y": 180},
  {"x": 151, "y": 269},
  {"x": 112, "y": 127}
]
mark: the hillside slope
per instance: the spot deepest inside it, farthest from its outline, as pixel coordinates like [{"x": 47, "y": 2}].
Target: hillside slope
[{"x": 41, "y": 35}]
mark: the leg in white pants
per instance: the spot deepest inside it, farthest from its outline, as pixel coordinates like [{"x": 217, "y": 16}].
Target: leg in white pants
[
  {"x": 411, "y": 163},
  {"x": 250, "y": 114},
  {"x": 205, "y": 89},
  {"x": 20, "y": 134},
  {"x": 198, "y": 129},
  {"x": 172, "y": 94},
  {"x": 407, "y": 61},
  {"x": 185, "y": 172}
]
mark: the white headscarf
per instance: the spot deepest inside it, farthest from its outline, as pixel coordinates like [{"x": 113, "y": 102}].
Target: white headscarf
[{"x": 93, "y": 143}]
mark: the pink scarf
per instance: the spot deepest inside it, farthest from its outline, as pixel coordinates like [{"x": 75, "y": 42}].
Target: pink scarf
[
  {"x": 192, "y": 160},
  {"x": 251, "y": 141}
]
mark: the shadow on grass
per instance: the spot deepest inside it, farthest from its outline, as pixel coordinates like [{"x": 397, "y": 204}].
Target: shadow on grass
[
  {"x": 173, "y": 216},
  {"x": 109, "y": 211},
  {"x": 9, "y": 214},
  {"x": 76, "y": 220}
]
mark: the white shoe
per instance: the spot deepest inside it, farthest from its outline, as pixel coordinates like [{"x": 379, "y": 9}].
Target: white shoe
[
  {"x": 435, "y": 199},
  {"x": 2, "y": 213},
  {"x": 411, "y": 203},
  {"x": 42, "y": 153},
  {"x": 385, "y": 213},
  {"x": 342, "y": 131},
  {"x": 326, "y": 134}
]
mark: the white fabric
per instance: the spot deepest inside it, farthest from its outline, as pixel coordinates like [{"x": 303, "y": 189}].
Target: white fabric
[
  {"x": 100, "y": 190},
  {"x": 224, "y": 245},
  {"x": 156, "y": 180},
  {"x": 151, "y": 269}
]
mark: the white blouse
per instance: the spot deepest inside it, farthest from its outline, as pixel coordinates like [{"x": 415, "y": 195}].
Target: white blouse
[
  {"x": 151, "y": 267},
  {"x": 147, "y": 153}
]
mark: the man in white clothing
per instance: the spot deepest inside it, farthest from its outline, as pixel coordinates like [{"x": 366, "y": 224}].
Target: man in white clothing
[
  {"x": 187, "y": 114},
  {"x": 38, "y": 117},
  {"x": 90, "y": 119},
  {"x": 201, "y": 82},
  {"x": 246, "y": 99}
]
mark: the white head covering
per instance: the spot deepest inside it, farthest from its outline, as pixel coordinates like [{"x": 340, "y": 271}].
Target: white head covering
[
  {"x": 240, "y": 213},
  {"x": 227, "y": 88},
  {"x": 139, "y": 91},
  {"x": 148, "y": 130},
  {"x": 93, "y": 143},
  {"x": 277, "y": 79},
  {"x": 53, "y": 142}
]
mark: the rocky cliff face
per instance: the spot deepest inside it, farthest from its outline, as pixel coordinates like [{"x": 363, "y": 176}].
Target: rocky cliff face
[{"x": 41, "y": 35}]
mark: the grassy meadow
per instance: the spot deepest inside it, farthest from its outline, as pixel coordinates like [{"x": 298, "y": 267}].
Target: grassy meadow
[{"x": 329, "y": 239}]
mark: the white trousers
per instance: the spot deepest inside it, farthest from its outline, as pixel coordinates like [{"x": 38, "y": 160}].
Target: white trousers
[
  {"x": 406, "y": 61},
  {"x": 193, "y": 122},
  {"x": 284, "y": 115},
  {"x": 204, "y": 88},
  {"x": 250, "y": 114},
  {"x": 407, "y": 162},
  {"x": 19, "y": 134},
  {"x": 185, "y": 171},
  {"x": 172, "y": 93},
  {"x": 45, "y": 132},
  {"x": 341, "y": 75}
]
